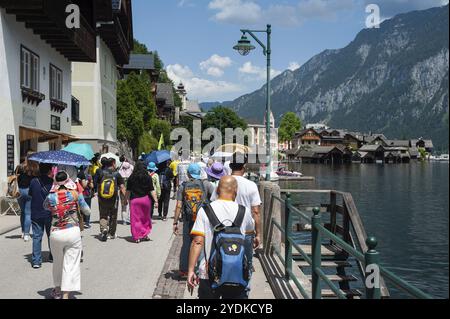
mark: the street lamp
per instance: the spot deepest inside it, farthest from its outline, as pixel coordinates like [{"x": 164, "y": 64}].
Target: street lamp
[{"x": 244, "y": 47}]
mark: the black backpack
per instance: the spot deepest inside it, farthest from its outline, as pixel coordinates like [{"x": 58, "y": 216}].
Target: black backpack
[{"x": 165, "y": 179}]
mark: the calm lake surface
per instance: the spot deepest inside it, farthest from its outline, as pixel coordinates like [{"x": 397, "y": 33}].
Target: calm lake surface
[{"x": 406, "y": 207}]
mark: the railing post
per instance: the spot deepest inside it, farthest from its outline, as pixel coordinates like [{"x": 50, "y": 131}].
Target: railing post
[
  {"x": 287, "y": 236},
  {"x": 372, "y": 271},
  {"x": 316, "y": 253}
]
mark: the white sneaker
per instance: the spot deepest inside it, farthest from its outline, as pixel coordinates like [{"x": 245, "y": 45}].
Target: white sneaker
[
  {"x": 112, "y": 237},
  {"x": 26, "y": 238}
]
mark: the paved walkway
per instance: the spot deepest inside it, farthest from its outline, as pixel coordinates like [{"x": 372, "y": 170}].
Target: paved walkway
[{"x": 117, "y": 269}]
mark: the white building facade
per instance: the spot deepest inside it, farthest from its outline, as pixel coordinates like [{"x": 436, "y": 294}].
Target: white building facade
[
  {"x": 35, "y": 84},
  {"x": 94, "y": 85}
]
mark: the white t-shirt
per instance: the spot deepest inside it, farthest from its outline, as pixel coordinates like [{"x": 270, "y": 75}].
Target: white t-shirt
[
  {"x": 226, "y": 212},
  {"x": 247, "y": 193}
]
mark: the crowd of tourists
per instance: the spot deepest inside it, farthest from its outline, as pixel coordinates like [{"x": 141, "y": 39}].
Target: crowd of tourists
[{"x": 216, "y": 213}]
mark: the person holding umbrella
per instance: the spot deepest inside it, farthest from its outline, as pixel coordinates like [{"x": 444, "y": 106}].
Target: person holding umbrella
[{"x": 39, "y": 190}]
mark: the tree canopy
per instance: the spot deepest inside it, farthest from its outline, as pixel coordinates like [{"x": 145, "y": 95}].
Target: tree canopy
[
  {"x": 290, "y": 124},
  {"x": 139, "y": 48},
  {"x": 222, "y": 118}
]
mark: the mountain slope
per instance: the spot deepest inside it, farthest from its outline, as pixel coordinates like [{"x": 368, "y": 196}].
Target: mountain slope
[{"x": 392, "y": 80}]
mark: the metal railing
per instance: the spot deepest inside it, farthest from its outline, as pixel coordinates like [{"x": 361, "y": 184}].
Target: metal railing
[{"x": 373, "y": 271}]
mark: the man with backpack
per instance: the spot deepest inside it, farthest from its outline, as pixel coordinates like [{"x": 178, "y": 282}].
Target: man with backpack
[
  {"x": 165, "y": 181},
  {"x": 192, "y": 195},
  {"x": 219, "y": 232},
  {"x": 248, "y": 196},
  {"x": 107, "y": 184}
]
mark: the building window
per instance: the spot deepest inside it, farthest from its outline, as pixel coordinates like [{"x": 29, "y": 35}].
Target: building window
[
  {"x": 76, "y": 112},
  {"x": 56, "y": 85},
  {"x": 55, "y": 123},
  {"x": 29, "y": 69}
]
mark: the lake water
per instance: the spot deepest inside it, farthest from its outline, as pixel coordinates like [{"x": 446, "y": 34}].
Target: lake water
[{"x": 406, "y": 207}]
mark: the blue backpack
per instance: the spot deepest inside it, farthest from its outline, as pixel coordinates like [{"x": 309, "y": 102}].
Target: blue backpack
[{"x": 228, "y": 267}]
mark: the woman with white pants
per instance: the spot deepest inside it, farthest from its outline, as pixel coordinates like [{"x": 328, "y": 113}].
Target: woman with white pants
[{"x": 65, "y": 239}]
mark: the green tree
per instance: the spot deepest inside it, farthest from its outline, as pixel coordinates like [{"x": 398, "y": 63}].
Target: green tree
[
  {"x": 130, "y": 123},
  {"x": 290, "y": 124},
  {"x": 222, "y": 118},
  {"x": 159, "y": 127},
  {"x": 147, "y": 143},
  {"x": 140, "y": 48},
  {"x": 140, "y": 88}
]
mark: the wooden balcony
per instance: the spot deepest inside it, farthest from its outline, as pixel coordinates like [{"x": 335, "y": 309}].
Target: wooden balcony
[
  {"x": 47, "y": 18},
  {"x": 117, "y": 41}
]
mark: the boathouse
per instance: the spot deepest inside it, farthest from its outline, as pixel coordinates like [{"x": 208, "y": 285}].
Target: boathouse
[
  {"x": 372, "y": 153},
  {"x": 325, "y": 155}
]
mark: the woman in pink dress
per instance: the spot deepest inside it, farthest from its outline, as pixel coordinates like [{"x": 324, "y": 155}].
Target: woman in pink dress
[{"x": 142, "y": 195}]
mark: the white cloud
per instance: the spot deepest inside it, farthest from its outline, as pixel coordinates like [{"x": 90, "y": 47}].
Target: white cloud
[
  {"x": 236, "y": 11},
  {"x": 252, "y": 72},
  {"x": 202, "y": 89},
  {"x": 215, "y": 65},
  {"x": 249, "y": 12},
  {"x": 293, "y": 66}
]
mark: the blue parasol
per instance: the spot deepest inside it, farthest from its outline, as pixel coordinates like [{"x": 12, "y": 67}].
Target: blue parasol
[
  {"x": 157, "y": 157},
  {"x": 60, "y": 158},
  {"x": 80, "y": 149}
]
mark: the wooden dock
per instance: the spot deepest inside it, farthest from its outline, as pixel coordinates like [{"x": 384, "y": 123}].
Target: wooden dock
[{"x": 296, "y": 178}]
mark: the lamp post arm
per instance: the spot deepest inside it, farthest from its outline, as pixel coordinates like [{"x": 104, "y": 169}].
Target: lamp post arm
[{"x": 252, "y": 33}]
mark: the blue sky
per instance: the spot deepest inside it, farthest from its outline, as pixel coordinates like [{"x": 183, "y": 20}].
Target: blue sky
[{"x": 195, "y": 37}]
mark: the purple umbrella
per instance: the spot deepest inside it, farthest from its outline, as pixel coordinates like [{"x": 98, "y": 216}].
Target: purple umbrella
[{"x": 60, "y": 158}]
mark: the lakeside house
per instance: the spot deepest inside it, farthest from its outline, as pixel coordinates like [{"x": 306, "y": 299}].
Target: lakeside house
[{"x": 323, "y": 146}]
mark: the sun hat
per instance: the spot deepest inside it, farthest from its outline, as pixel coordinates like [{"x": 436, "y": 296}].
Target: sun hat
[
  {"x": 126, "y": 170},
  {"x": 216, "y": 171},
  {"x": 67, "y": 183},
  {"x": 195, "y": 171},
  {"x": 152, "y": 167}
]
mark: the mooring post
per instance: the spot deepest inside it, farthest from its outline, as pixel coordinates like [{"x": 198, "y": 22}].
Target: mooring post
[
  {"x": 287, "y": 237},
  {"x": 316, "y": 253},
  {"x": 372, "y": 271}
]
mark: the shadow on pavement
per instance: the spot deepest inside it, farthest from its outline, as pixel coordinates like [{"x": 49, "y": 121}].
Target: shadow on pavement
[
  {"x": 14, "y": 237},
  {"x": 47, "y": 294},
  {"x": 174, "y": 275},
  {"x": 45, "y": 257}
]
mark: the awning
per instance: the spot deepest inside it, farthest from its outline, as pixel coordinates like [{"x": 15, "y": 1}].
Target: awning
[
  {"x": 26, "y": 134},
  {"x": 66, "y": 138}
]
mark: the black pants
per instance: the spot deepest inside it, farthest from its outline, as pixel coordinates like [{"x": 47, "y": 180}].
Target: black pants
[
  {"x": 108, "y": 216},
  {"x": 206, "y": 292},
  {"x": 163, "y": 202}
]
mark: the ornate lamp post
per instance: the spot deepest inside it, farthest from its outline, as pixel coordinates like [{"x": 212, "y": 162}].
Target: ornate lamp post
[{"x": 244, "y": 47}]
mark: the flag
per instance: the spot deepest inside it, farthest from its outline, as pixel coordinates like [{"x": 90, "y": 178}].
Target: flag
[{"x": 161, "y": 142}]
